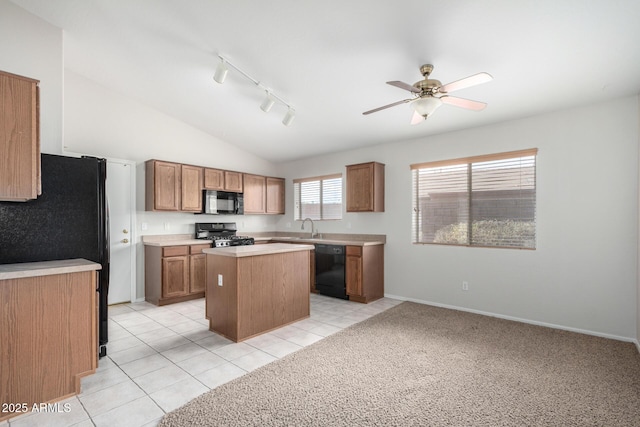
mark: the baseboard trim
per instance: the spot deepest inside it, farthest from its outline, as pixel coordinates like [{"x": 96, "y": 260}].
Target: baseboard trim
[{"x": 517, "y": 319}]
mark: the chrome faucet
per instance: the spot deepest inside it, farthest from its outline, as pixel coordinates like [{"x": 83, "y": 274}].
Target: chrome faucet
[{"x": 313, "y": 232}]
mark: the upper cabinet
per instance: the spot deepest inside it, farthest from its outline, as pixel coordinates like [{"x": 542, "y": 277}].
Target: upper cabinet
[
  {"x": 163, "y": 186},
  {"x": 263, "y": 195},
  {"x": 191, "y": 197},
  {"x": 217, "y": 179},
  {"x": 275, "y": 195},
  {"x": 365, "y": 187},
  {"x": 177, "y": 187},
  {"x": 255, "y": 194},
  {"x": 19, "y": 138}
]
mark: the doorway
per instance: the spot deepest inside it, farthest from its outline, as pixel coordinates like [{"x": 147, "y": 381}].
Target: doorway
[{"x": 121, "y": 199}]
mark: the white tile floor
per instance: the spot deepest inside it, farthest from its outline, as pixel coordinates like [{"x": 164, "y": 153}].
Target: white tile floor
[{"x": 159, "y": 358}]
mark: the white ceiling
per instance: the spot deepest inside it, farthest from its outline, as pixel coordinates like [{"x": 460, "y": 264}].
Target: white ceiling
[{"x": 330, "y": 60}]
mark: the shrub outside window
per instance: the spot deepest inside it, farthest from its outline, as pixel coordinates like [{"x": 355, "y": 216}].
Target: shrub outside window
[
  {"x": 487, "y": 201},
  {"x": 318, "y": 198}
]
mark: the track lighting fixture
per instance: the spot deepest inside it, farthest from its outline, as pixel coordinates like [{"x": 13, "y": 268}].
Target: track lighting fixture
[
  {"x": 270, "y": 99},
  {"x": 288, "y": 118},
  {"x": 267, "y": 103},
  {"x": 221, "y": 72}
]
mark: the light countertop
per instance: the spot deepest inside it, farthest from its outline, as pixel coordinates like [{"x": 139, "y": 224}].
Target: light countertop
[
  {"x": 325, "y": 241},
  {"x": 173, "y": 240},
  {"x": 257, "y": 250},
  {"x": 46, "y": 268}
]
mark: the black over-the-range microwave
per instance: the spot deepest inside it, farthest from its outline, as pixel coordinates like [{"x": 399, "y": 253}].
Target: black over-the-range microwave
[{"x": 223, "y": 202}]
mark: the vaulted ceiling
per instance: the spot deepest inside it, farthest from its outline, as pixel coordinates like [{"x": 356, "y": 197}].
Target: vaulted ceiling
[{"x": 330, "y": 60}]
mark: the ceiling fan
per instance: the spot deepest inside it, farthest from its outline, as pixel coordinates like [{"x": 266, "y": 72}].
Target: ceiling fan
[{"x": 429, "y": 94}]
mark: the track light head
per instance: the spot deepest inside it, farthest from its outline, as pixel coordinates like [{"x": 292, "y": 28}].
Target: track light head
[
  {"x": 267, "y": 103},
  {"x": 221, "y": 72},
  {"x": 288, "y": 118}
]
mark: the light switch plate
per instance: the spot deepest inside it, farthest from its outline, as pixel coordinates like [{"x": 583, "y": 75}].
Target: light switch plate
[{"x": 219, "y": 279}]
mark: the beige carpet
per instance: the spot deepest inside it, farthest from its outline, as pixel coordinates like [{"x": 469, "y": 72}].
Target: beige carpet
[{"x": 417, "y": 365}]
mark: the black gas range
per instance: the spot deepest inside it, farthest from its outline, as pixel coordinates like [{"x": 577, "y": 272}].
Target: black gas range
[{"x": 222, "y": 234}]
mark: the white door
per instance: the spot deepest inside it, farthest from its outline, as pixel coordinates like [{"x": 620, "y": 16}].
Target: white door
[{"x": 119, "y": 198}]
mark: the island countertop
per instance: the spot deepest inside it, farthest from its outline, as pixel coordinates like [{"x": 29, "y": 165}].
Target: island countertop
[
  {"x": 257, "y": 250},
  {"x": 46, "y": 268}
]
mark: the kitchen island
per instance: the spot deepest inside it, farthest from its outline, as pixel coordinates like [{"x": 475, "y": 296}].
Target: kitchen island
[
  {"x": 48, "y": 333},
  {"x": 255, "y": 289}
]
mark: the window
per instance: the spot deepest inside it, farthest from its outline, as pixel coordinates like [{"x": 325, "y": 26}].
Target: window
[
  {"x": 476, "y": 201},
  {"x": 318, "y": 197}
]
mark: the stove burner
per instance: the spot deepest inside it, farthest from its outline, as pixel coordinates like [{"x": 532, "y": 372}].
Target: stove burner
[{"x": 222, "y": 234}]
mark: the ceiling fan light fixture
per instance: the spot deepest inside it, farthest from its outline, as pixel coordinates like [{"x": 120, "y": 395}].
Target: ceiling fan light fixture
[
  {"x": 427, "y": 105},
  {"x": 267, "y": 103},
  {"x": 288, "y": 118},
  {"x": 221, "y": 72}
]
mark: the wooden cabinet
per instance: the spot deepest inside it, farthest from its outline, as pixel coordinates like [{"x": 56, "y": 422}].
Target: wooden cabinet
[
  {"x": 255, "y": 194},
  {"x": 217, "y": 179},
  {"x": 163, "y": 186},
  {"x": 364, "y": 273},
  {"x": 213, "y": 179},
  {"x": 173, "y": 187},
  {"x": 177, "y": 187},
  {"x": 19, "y": 138},
  {"x": 192, "y": 182},
  {"x": 275, "y": 195},
  {"x": 233, "y": 181},
  {"x": 174, "y": 273},
  {"x": 257, "y": 293},
  {"x": 197, "y": 268},
  {"x": 365, "y": 187},
  {"x": 263, "y": 195},
  {"x": 48, "y": 336}
]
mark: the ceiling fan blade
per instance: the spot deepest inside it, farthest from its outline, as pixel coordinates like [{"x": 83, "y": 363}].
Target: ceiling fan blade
[
  {"x": 463, "y": 103},
  {"x": 387, "y": 106},
  {"x": 476, "y": 79},
  {"x": 405, "y": 86},
  {"x": 417, "y": 118}
]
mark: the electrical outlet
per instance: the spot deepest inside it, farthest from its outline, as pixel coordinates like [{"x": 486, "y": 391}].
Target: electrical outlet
[
  {"x": 167, "y": 226},
  {"x": 465, "y": 286},
  {"x": 219, "y": 279},
  {"x": 144, "y": 226}
]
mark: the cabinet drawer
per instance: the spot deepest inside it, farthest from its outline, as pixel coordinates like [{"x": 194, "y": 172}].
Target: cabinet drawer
[
  {"x": 197, "y": 249},
  {"x": 175, "y": 251},
  {"x": 354, "y": 250}
]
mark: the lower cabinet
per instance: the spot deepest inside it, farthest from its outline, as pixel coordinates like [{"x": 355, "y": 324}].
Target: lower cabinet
[
  {"x": 174, "y": 273},
  {"x": 365, "y": 272}
]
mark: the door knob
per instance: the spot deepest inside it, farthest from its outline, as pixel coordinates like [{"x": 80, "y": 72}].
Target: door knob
[
  {"x": 125, "y": 231},
  {"x": 125, "y": 240}
]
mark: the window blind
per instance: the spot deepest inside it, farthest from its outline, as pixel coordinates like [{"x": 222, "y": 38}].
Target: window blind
[
  {"x": 477, "y": 201},
  {"x": 318, "y": 198}
]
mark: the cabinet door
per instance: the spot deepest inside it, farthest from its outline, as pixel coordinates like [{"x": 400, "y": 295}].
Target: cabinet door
[
  {"x": 197, "y": 273},
  {"x": 353, "y": 275},
  {"x": 163, "y": 184},
  {"x": 275, "y": 195},
  {"x": 191, "y": 200},
  {"x": 213, "y": 179},
  {"x": 175, "y": 276},
  {"x": 233, "y": 181},
  {"x": 360, "y": 188},
  {"x": 19, "y": 138},
  {"x": 365, "y": 187},
  {"x": 254, "y": 194}
]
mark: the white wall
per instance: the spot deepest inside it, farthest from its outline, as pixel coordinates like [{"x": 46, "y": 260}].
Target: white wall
[
  {"x": 582, "y": 274},
  {"x": 32, "y": 47}
]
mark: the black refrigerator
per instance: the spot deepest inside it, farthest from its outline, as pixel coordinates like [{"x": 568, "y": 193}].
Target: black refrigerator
[{"x": 68, "y": 220}]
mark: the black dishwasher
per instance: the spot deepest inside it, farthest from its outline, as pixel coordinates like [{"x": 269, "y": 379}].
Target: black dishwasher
[{"x": 330, "y": 271}]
